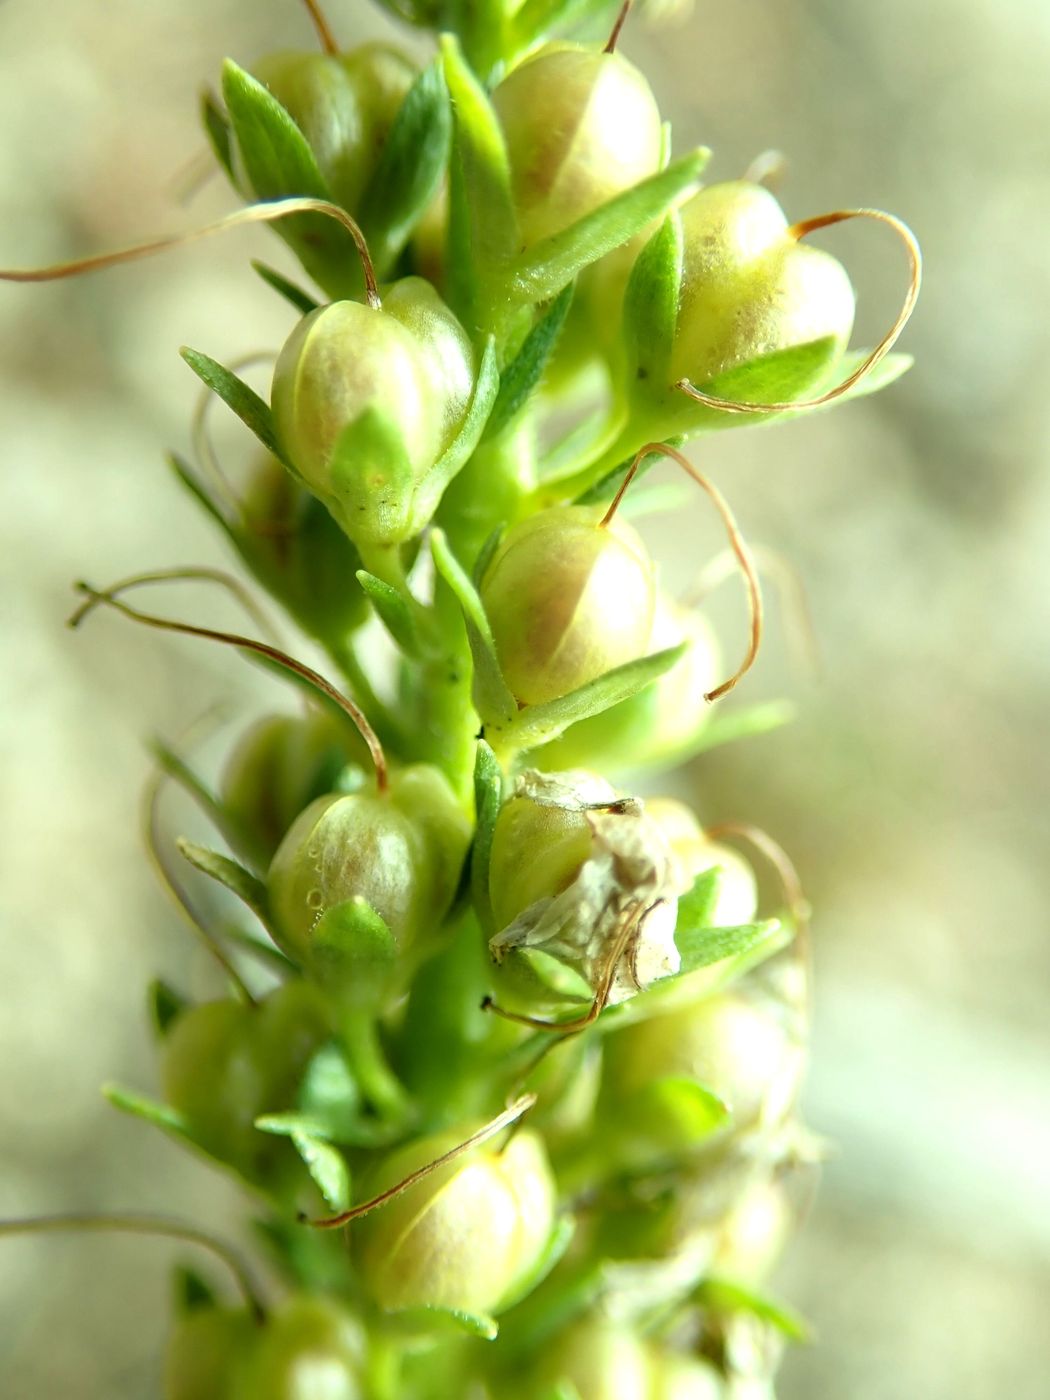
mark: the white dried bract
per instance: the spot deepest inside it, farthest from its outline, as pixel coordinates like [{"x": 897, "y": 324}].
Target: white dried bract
[{"x": 614, "y": 923}]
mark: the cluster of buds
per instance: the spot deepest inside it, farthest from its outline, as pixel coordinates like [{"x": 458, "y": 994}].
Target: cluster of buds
[{"x": 510, "y": 1055}]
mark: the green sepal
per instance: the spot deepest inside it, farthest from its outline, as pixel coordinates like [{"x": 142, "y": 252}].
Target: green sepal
[
  {"x": 725, "y": 727},
  {"x": 537, "y": 724},
  {"x": 728, "y": 1296},
  {"x": 564, "y": 981},
  {"x": 888, "y": 370},
  {"x": 150, "y": 1111},
  {"x": 253, "y": 411},
  {"x": 670, "y": 1115},
  {"x": 526, "y": 369},
  {"x": 486, "y": 554},
  {"x": 176, "y": 768},
  {"x": 409, "y": 170},
  {"x": 696, "y": 908},
  {"x": 485, "y": 168},
  {"x": 246, "y": 886},
  {"x": 700, "y": 947},
  {"x": 353, "y": 955},
  {"x": 217, "y": 129},
  {"x": 302, "y": 301},
  {"x": 553, "y": 1252},
  {"x": 492, "y": 697},
  {"x": 543, "y": 271},
  {"x": 371, "y": 481},
  {"x": 280, "y": 164},
  {"x": 165, "y": 1004},
  {"x": 329, "y": 1106},
  {"x": 488, "y": 798},
  {"x": 327, "y": 1167},
  {"x": 437, "y": 1320},
  {"x": 650, "y": 308},
  {"x": 433, "y": 485},
  {"x": 393, "y": 611},
  {"x": 192, "y": 1292}
]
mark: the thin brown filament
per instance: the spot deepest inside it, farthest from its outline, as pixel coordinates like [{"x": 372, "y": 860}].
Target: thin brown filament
[
  {"x": 617, "y": 29},
  {"x": 133, "y": 1223},
  {"x": 786, "y": 579},
  {"x": 503, "y": 1120},
  {"x": 173, "y": 886},
  {"x": 881, "y": 350},
  {"x": 192, "y": 176},
  {"x": 794, "y": 897},
  {"x": 324, "y": 32},
  {"x": 202, "y": 573},
  {"x": 737, "y": 543},
  {"x": 108, "y": 597},
  {"x": 254, "y": 214},
  {"x": 200, "y": 435},
  {"x": 601, "y": 995}
]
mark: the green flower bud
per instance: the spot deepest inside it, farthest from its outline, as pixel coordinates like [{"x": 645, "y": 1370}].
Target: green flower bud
[
  {"x": 280, "y": 765},
  {"x": 736, "y": 1049},
  {"x": 678, "y": 1377},
  {"x": 296, "y": 550},
  {"x": 409, "y": 367},
  {"x": 465, "y": 1237},
  {"x": 344, "y": 105},
  {"x": 601, "y": 1360},
  {"x": 312, "y": 1349},
  {"x": 753, "y": 1236},
  {"x": 567, "y": 599},
  {"x": 206, "y": 1352},
  {"x": 748, "y": 288},
  {"x": 581, "y": 127},
  {"x": 225, "y": 1063},
  {"x": 400, "y": 851},
  {"x": 737, "y": 898},
  {"x": 655, "y": 725},
  {"x": 584, "y": 890}
]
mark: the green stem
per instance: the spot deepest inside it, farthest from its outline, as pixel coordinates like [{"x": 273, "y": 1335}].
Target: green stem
[{"x": 379, "y": 1084}]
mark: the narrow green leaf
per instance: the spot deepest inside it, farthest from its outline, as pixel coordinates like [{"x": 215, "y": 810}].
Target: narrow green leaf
[
  {"x": 726, "y": 1295},
  {"x": 543, "y": 270},
  {"x": 279, "y": 163},
  {"x": 410, "y": 167},
  {"x": 724, "y": 727},
  {"x": 217, "y": 129},
  {"x": 353, "y": 954},
  {"x": 485, "y": 555},
  {"x": 302, "y": 301},
  {"x": 785, "y": 374},
  {"x": 526, "y": 369},
  {"x": 700, "y": 947},
  {"x": 696, "y": 908},
  {"x": 488, "y": 798},
  {"x": 149, "y": 1110},
  {"x": 492, "y": 696},
  {"x": 392, "y": 610},
  {"x": 327, "y": 1167},
  {"x": 253, "y": 412},
  {"x": 886, "y": 372},
  {"x": 432, "y": 487},
  {"x": 650, "y": 307},
  {"x": 483, "y": 161},
  {"x": 189, "y": 479},
  {"x": 180, "y": 772},
  {"x": 538, "y": 723},
  {"x": 606, "y": 487},
  {"x": 430, "y": 1320},
  {"x": 250, "y": 890},
  {"x": 165, "y": 1004}
]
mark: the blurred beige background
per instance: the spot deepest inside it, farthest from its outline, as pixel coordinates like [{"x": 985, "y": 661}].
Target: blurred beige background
[{"x": 913, "y": 790}]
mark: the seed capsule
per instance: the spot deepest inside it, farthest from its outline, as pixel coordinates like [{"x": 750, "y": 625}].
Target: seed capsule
[
  {"x": 567, "y": 599},
  {"x": 400, "y": 851},
  {"x": 749, "y": 288},
  {"x": 312, "y": 1349},
  {"x": 466, "y": 1236},
  {"x": 226, "y": 1063},
  {"x": 601, "y": 1360},
  {"x": 411, "y": 365},
  {"x": 655, "y": 725},
  {"x": 737, "y": 897},
  {"x": 280, "y": 765},
  {"x": 581, "y": 127},
  {"x": 344, "y": 105}
]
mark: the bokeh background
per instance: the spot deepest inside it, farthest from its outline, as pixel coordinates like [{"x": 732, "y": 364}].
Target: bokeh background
[{"x": 914, "y": 788}]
